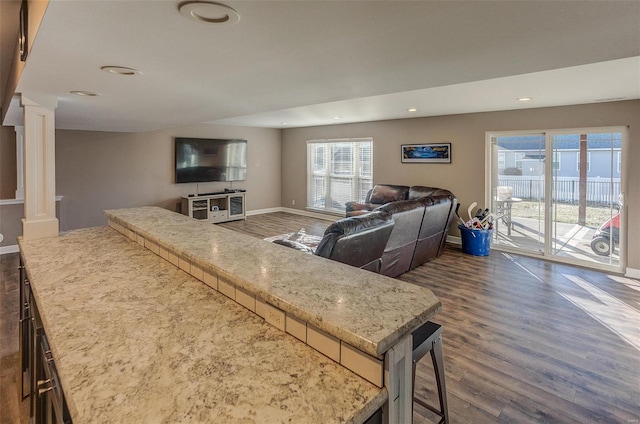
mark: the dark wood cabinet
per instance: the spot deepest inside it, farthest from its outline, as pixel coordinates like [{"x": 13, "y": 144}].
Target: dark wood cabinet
[
  {"x": 25, "y": 332},
  {"x": 40, "y": 380}
]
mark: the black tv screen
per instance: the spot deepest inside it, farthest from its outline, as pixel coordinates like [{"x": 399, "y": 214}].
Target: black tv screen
[{"x": 206, "y": 159}]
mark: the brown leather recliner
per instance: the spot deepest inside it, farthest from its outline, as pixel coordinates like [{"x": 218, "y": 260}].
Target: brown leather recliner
[
  {"x": 382, "y": 194},
  {"x": 398, "y": 253},
  {"x": 438, "y": 213},
  {"x": 437, "y": 206},
  {"x": 357, "y": 241},
  {"x": 379, "y": 195}
]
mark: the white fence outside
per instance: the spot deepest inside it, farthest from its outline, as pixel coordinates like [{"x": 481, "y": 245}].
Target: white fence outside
[{"x": 600, "y": 191}]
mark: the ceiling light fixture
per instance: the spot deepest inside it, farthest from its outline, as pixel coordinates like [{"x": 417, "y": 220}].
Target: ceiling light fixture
[
  {"x": 208, "y": 12},
  {"x": 85, "y": 93},
  {"x": 412, "y": 109},
  {"x": 120, "y": 70},
  {"x": 337, "y": 118},
  {"x": 524, "y": 99}
]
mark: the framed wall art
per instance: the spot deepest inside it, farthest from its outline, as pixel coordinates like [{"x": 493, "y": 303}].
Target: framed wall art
[
  {"x": 23, "y": 39},
  {"x": 426, "y": 153}
]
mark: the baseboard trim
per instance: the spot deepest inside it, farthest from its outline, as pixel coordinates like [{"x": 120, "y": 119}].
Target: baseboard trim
[
  {"x": 326, "y": 217},
  {"x": 632, "y": 273},
  {"x": 454, "y": 240},
  {"x": 297, "y": 212},
  {"x": 5, "y": 250},
  {"x": 262, "y": 211}
]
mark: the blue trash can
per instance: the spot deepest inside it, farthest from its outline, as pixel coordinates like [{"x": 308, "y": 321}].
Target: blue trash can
[{"x": 475, "y": 242}]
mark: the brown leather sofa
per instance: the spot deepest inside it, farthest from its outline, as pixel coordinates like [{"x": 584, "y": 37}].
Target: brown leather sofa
[
  {"x": 422, "y": 217},
  {"x": 382, "y": 194},
  {"x": 357, "y": 241},
  {"x": 438, "y": 214},
  {"x": 398, "y": 252},
  {"x": 379, "y": 195}
]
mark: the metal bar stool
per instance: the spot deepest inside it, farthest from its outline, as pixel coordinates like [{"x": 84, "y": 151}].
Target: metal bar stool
[{"x": 428, "y": 338}]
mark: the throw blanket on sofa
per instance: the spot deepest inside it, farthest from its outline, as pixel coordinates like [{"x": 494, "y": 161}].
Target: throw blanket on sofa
[{"x": 300, "y": 236}]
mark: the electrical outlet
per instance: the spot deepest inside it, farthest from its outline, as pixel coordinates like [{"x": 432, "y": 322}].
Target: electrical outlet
[{"x": 293, "y": 202}]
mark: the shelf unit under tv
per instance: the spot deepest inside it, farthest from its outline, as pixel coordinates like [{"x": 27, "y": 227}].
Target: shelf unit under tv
[{"x": 215, "y": 207}]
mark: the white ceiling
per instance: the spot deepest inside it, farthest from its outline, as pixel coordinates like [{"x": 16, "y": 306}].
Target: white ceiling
[{"x": 306, "y": 62}]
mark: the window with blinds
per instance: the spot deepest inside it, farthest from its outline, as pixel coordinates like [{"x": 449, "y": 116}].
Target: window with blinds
[{"x": 338, "y": 171}]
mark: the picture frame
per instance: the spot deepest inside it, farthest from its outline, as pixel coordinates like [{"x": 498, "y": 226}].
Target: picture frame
[
  {"x": 23, "y": 39},
  {"x": 426, "y": 153}
]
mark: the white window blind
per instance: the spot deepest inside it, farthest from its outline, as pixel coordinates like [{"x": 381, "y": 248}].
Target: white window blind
[{"x": 338, "y": 171}]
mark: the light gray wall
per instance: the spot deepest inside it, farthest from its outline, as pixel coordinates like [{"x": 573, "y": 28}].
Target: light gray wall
[
  {"x": 11, "y": 223},
  {"x": 11, "y": 215},
  {"x": 102, "y": 170},
  {"x": 466, "y": 174},
  {"x": 7, "y": 163}
]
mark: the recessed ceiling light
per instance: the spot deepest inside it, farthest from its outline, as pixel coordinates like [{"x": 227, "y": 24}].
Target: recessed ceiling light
[
  {"x": 524, "y": 99},
  {"x": 412, "y": 109},
  {"x": 208, "y": 12},
  {"x": 85, "y": 93},
  {"x": 337, "y": 118},
  {"x": 120, "y": 70}
]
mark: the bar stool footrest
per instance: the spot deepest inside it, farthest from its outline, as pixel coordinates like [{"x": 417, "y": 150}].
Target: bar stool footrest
[
  {"x": 428, "y": 339},
  {"x": 430, "y": 408}
]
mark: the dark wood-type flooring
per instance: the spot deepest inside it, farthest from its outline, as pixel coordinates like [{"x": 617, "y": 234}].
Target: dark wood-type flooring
[{"x": 525, "y": 340}]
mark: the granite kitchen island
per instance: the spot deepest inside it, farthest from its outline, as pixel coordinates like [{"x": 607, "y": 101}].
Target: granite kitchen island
[{"x": 162, "y": 318}]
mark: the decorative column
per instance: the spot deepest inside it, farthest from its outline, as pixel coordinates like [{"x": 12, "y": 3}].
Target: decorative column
[
  {"x": 39, "y": 167},
  {"x": 19, "y": 162}
]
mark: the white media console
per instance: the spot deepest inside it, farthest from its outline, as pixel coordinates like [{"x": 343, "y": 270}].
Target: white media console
[{"x": 215, "y": 207}]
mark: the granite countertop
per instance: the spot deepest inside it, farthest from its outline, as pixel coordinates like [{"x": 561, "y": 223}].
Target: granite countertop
[
  {"x": 137, "y": 340},
  {"x": 367, "y": 310}
]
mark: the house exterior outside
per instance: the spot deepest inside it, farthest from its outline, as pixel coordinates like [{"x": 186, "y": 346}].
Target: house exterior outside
[{"x": 521, "y": 161}]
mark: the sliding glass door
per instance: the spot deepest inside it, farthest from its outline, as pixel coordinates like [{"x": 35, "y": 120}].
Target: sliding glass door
[
  {"x": 586, "y": 195},
  {"x": 559, "y": 194},
  {"x": 517, "y": 190}
]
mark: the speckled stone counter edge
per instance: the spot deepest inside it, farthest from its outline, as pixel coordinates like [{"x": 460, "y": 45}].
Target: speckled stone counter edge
[
  {"x": 351, "y": 350},
  {"x": 374, "y": 403},
  {"x": 363, "y": 364}
]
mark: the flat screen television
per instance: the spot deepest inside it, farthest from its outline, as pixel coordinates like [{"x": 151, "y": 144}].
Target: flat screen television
[{"x": 201, "y": 160}]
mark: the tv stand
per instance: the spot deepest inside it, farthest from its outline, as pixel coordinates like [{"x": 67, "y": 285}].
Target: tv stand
[
  {"x": 215, "y": 207},
  {"x": 226, "y": 191}
]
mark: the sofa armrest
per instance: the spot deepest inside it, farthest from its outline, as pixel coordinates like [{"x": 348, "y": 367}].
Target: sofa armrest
[{"x": 359, "y": 207}]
